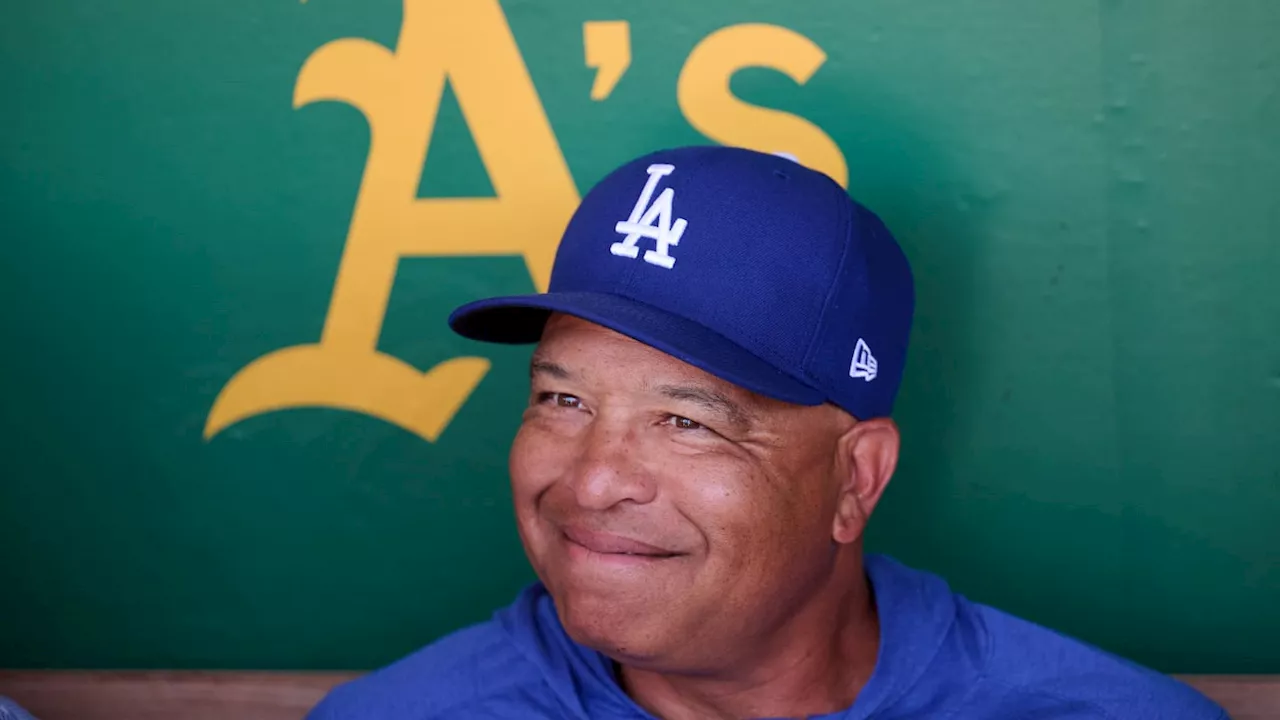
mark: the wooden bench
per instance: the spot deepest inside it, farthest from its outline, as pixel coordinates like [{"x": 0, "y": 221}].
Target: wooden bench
[{"x": 207, "y": 695}]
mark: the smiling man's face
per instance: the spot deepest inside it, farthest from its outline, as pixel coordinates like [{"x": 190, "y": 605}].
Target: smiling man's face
[{"x": 674, "y": 517}]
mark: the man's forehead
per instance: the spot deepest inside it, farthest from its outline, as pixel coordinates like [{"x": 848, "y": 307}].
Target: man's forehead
[{"x": 571, "y": 345}]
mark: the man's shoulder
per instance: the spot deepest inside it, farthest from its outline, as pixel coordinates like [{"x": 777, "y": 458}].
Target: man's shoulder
[
  {"x": 1031, "y": 666},
  {"x": 467, "y": 671}
]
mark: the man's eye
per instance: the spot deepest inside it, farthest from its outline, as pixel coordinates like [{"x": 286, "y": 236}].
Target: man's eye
[
  {"x": 560, "y": 399},
  {"x": 684, "y": 423}
]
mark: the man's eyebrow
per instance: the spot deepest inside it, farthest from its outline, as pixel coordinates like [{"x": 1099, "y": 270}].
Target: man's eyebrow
[
  {"x": 539, "y": 366},
  {"x": 711, "y": 400}
]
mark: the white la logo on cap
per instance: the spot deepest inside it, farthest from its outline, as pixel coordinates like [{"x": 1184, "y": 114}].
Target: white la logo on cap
[
  {"x": 652, "y": 221},
  {"x": 864, "y": 363}
]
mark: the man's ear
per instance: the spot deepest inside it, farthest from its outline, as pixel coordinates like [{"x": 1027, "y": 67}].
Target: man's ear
[{"x": 868, "y": 457}]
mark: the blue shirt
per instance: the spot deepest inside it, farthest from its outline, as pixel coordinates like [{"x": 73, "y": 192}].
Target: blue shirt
[{"x": 941, "y": 656}]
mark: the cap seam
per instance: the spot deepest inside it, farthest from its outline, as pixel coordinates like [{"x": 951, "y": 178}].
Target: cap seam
[{"x": 831, "y": 291}]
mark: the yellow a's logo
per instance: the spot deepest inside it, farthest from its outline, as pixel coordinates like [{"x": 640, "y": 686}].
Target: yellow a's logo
[
  {"x": 470, "y": 44},
  {"x": 399, "y": 93}
]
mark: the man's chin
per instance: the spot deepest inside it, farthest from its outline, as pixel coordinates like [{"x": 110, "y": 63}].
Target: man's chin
[{"x": 620, "y": 630}]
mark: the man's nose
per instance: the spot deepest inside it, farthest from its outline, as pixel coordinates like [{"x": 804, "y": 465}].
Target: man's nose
[{"x": 610, "y": 467}]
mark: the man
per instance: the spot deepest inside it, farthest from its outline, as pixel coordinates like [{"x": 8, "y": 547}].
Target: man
[{"x": 706, "y": 437}]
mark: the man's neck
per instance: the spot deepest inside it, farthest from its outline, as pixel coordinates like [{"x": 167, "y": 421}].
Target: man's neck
[{"x": 817, "y": 664}]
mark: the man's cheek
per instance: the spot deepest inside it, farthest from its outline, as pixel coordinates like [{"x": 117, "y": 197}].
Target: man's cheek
[
  {"x": 535, "y": 460},
  {"x": 717, "y": 491}
]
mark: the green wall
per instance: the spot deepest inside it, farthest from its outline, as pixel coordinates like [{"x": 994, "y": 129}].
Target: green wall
[{"x": 1087, "y": 191}]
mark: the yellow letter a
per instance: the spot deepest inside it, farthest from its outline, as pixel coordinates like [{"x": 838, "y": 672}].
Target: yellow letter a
[{"x": 399, "y": 94}]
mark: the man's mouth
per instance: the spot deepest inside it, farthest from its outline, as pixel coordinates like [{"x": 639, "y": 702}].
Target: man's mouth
[{"x": 605, "y": 543}]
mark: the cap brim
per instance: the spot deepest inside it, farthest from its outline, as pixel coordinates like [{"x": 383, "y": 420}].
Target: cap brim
[{"x": 520, "y": 319}]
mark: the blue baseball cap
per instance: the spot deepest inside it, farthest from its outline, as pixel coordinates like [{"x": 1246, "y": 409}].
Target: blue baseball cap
[{"x": 747, "y": 265}]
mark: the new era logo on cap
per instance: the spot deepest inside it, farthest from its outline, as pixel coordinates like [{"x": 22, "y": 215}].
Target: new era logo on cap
[
  {"x": 864, "y": 363},
  {"x": 785, "y": 284}
]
